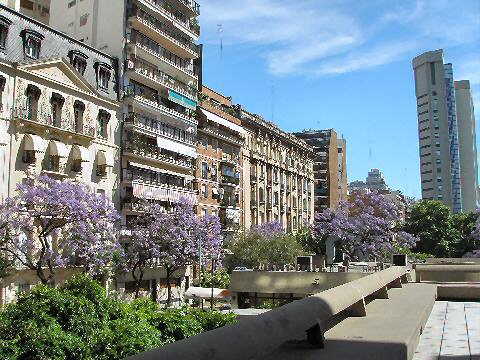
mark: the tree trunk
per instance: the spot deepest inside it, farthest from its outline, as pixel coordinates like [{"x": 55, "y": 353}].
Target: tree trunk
[
  {"x": 138, "y": 280},
  {"x": 169, "y": 288}
]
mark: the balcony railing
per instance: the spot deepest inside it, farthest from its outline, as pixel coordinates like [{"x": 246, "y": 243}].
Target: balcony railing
[
  {"x": 230, "y": 158},
  {"x": 129, "y": 175},
  {"x": 166, "y": 80},
  {"x": 159, "y": 128},
  {"x": 230, "y": 180},
  {"x": 185, "y": 23},
  {"x": 192, "y": 5},
  {"x": 229, "y": 202},
  {"x": 253, "y": 204},
  {"x": 160, "y": 54},
  {"x": 156, "y": 102},
  {"x": 253, "y": 178},
  {"x": 66, "y": 123},
  {"x": 153, "y": 152},
  {"x": 222, "y": 134}
]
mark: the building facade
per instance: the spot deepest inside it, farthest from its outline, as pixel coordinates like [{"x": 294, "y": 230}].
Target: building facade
[
  {"x": 441, "y": 148},
  {"x": 37, "y": 9},
  {"x": 376, "y": 180},
  {"x": 468, "y": 145},
  {"x": 155, "y": 41},
  {"x": 218, "y": 176},
  {"x": 58, "y": 116},
  {"x": 330, "y": 167},
  {"x": 277, "y": 175}
]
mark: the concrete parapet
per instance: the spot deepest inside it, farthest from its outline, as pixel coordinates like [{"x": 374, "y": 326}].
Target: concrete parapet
[
  {"x": 448, "y": 273},
  {"x": 255, "y": 338}
]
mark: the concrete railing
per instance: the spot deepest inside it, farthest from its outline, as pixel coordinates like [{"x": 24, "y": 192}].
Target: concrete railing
[
  {"x": 447, "y": 273},
  {"x": 258, "y": 336}
]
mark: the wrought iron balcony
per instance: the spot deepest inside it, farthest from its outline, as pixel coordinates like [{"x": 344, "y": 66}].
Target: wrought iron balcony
[
  {"x": 65, "y": 123},
  {"x": 165, "y": 80},
  {"x": 153, "y": 152}
]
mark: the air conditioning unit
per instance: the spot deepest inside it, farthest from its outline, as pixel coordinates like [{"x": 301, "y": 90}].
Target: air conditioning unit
[{"x": 130, "y": 64}]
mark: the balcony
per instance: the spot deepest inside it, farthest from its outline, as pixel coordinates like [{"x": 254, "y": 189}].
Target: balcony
[
  {"x": 131, "y": 176},
  {"x": 66, "y": 123},
  {"x": 253, "y": 178},
  {"x": 253, "y": 204},
  {"x": 154, "y": 77},
  {"x": 152, "y": 126},
  {"x": 155, "y": 104},
  {"x": 159, "y": 53},
  {"x": 191, "y": 6},
  {"x": 282, "y": 188},
  {"x": 187, "y": 25},
  {"x": 229, "y": 203},
  {"x": 230, "y": 180},
  {"x": 222, "y": 134},
  {"x": 159, "y": 32},
  {"x": 154, "y": 153},
  {"x": 230, "y": 159}
]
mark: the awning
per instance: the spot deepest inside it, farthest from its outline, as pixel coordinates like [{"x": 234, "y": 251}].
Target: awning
[
  {"x": 159, "y": 170},
  {"x": 181, "y": 100},
  {"x": 174, "y": 146},
  {"x": 219, "y": 120},
  {"x": 80, "y": 153},
  {"x": 58, "y": 148},
  {"x": 194, "y": 292},
  {"x": 105, "y": 158},
  {"x": 33, "y": 142},
  {"x": 149, "y": 192}
]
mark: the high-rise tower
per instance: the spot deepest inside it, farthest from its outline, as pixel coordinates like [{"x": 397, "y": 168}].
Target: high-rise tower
[{"x": 446, "y": 176}]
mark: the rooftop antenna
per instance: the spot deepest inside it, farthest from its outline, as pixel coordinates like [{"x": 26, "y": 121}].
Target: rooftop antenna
[
  {"x": 273, "y": 99},
  {"x": 220, "y": 35}
]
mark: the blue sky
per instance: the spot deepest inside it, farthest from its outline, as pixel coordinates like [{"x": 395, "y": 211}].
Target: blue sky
[{"x": 342, "y": 64}]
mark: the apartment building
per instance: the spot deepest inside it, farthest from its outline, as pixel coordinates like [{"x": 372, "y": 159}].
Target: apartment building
[
  {"x": 58, "y": 115},
  {"x": 441, "y": 148},
  {"x": 329, "y": 168},
  {"x": 219, "y": 175},
  {"x": 468, "y": 145},
  {"x": 155, "y": 40},
  {"x": 37, "y": 9},
  {"x": 277, "y": 175}
]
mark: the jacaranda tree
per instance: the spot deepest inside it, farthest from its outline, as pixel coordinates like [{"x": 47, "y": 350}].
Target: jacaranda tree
[
  {"x": 172, "y": 240},
  {"x": 52, "y": 224},
  {"x": 367, "y": 224}
]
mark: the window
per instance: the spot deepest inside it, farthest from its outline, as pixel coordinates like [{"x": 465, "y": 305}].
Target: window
[
  {"x": 101, "y": 170},
  {"x": 72, "y": 3},
  {"x": 78, "y": 60},
  {"x": 28, "y": 156},
  {"x": 103, "y": 75},
  {"x": 432, "y": 73},
  {"x": 103, "y": 118},
  {"x": 57, "y": 101},
  {"x": 76, "y": 165},
  {"x": 3, "y": 81},
  {"x": 4, "y": 24},
  {"x": 204, "y": 212},
  {"x": 78, "y": 110},
  {"x": 214, "y": 173},
  {"x": 32, "y": 96},
  {"x": 83, "y": 19},
  {"x": 53, "y": 163},
  {"x": 204, "y": 191},
  {"x": 204, "y": 170}
]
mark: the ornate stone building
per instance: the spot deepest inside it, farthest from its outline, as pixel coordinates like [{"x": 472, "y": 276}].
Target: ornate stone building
[
  {"x": 58, "y": 115},
  {"x": 278, "y": 175}
]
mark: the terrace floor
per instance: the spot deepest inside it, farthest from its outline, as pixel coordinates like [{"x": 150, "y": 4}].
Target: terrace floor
[{"x": 452, "y": 332}]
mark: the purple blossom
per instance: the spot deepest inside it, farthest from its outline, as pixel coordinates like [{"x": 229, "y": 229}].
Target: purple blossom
[
  {"x": 172, "y": 239},
  {"x": 270, "y": 229},
  {"x": 365, "y": 225},
  {"x": 51, "y": 224}
]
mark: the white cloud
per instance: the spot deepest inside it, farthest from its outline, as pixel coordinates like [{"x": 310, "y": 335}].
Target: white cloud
[{"x": 333, "y": 37}]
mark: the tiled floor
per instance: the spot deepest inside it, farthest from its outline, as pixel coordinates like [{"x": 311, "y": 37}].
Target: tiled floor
[{"x": 452, "y": 332}]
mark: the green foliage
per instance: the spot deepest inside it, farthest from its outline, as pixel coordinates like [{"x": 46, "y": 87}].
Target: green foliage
[
  {"x": 78, "y": 321},
  {"x": 311, "y": 243},
  {"x": 254, "y": 248},
  {"x": 221, "y": 279},
  {"x": 5, "y": 267},
  {"x": 441, "y": 233},
  {"x": 267, "y": 304}
]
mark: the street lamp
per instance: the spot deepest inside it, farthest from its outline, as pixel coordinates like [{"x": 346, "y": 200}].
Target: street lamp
[{"x": 214, "y": 258}]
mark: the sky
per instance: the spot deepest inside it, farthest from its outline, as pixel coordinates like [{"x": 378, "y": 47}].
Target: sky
[{"x": 342, "y": 64}]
